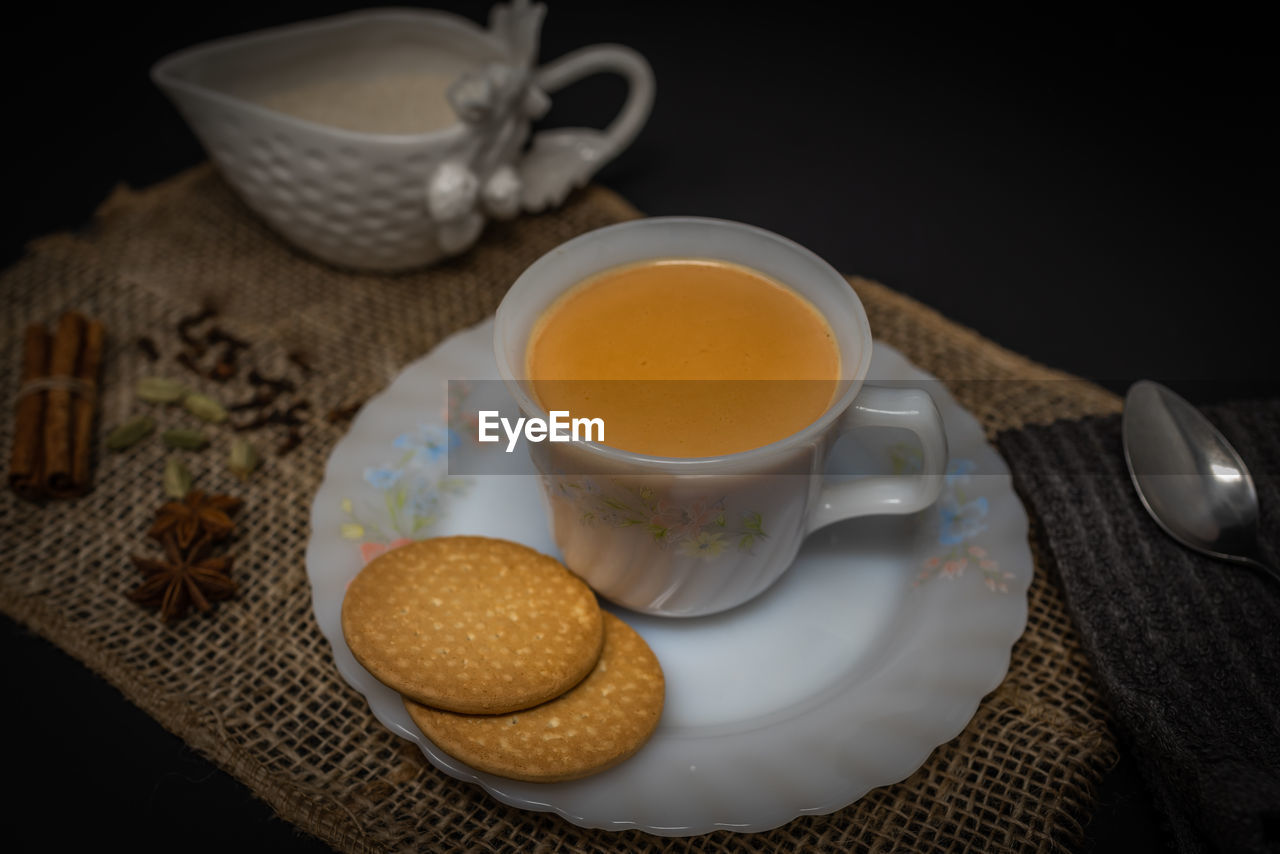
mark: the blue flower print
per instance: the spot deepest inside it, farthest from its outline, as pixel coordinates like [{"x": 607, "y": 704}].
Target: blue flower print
[
  {"x": 414, "y": 489},
  {"x": 382, "y": 478},
  {"x": 961, "y": 518},
  {"x": 426, "y": 445},
  {"x": 961, "y": 521}
]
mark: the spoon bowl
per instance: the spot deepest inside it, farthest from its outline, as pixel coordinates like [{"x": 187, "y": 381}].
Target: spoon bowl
[{"x": 1190, "y": 479}]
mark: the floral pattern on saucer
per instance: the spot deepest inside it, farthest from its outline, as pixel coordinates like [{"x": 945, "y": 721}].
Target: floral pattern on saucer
[
  {"x": 414, "y": 490},
  {"x": 962, "y": 517},
  {"x": 704, "y": 529}
]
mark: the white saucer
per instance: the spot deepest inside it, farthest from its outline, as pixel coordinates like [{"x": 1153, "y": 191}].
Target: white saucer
[{"x": 874, "y": 648}]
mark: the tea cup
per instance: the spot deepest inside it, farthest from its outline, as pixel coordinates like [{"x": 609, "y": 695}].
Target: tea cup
[{"x": 685, "y": 537}]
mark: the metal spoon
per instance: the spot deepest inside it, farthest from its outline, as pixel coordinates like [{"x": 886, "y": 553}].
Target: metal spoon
[{"x": 1190, "y": 479}]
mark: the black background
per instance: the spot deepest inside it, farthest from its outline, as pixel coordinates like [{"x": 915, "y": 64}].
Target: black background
[{"x": 1094, "y": 191}]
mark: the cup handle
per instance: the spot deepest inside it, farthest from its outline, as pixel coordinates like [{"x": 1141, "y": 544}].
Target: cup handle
[
  {"x": 909, "y": 408},
  {"x": 560, "y": 160}
]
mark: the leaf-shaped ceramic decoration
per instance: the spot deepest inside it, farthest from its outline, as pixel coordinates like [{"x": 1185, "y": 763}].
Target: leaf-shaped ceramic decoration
[{"x": 558, "y": 162}]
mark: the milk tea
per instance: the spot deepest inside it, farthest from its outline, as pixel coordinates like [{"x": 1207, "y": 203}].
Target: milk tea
[{"x": 685, "y": 357}]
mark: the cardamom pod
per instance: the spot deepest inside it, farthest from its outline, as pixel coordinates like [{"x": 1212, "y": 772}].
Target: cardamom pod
[
  {"x": 160, "y": 390},
  {"x": 244, "y": 458},
  {"x": 130, "y": 433},
  {"x": 205, "y": 408},
  {"x": 188, "y": 440},
  {"x": 177, "y": 478}
]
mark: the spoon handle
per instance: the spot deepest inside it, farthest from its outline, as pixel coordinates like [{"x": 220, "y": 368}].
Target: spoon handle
[{"x": 1268, "y": 569}]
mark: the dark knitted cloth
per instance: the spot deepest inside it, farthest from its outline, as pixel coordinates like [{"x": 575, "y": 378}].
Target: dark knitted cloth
[{"x": 1187, "y": 648}]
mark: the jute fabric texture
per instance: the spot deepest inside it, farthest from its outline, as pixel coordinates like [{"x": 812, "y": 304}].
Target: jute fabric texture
[{"x": 252, "y": 684}]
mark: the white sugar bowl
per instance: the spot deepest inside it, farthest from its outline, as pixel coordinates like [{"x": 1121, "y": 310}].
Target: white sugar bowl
[{"x": 385, "y": 139}]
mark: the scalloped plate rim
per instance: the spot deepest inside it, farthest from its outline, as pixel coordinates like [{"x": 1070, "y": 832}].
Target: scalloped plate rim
[{"x": 990, "y": 677}]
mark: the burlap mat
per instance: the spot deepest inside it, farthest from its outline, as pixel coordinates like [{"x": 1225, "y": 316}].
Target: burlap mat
[{"x": 253, "y": 686}]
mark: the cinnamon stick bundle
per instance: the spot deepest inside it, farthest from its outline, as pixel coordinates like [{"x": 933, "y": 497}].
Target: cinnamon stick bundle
[
  {"x": 57, "y": 414},
  {"x": 86, "y": 406},
  {"x": 26, "y": 462},
  {"x": 56, "y": 406}
]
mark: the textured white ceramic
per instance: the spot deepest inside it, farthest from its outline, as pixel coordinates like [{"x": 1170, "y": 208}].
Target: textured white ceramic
[
  {"x": 874, "y": 649},
  {"x": 382, "y": 201},
  {"x": 765, "y": 500}
]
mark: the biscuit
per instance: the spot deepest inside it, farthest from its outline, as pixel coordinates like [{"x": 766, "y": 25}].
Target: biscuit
[
  {"x": 596, "y": 725},
  {"x": 472, "y": 624}
]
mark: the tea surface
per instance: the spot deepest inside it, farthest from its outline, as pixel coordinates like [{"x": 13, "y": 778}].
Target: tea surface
[{"x": 685, "y": 358}]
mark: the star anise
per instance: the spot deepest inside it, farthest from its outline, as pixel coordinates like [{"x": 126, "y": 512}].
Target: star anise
[
  {"x": 197, "y": 514},
  {"x": 185, "y": 577}
]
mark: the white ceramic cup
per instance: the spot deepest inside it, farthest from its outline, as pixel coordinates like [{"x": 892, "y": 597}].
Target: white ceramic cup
[{"x": 687, "y": 537}]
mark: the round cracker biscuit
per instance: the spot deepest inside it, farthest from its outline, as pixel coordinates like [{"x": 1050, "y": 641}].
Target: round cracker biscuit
[
  {"x": 472, "y": 624},
  {"x": 602, "y": 721}
]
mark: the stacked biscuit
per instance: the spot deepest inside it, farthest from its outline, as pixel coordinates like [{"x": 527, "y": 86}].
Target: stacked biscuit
[{"x": 504, "y": 658}]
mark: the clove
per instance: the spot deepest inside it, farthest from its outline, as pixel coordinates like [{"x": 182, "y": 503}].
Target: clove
[
  {"x": 188, "y": 361},
  {"x": 340, "y": 414},
  {"x": 218, "y": 335},
  {"x": 263, "y": 397},
  {"x": 148, "y": 348},
  {"x": 301, "y": 361},
  {"x": 279, "y": 385},
  {"x": 291, "y": 441},
  {"x": 185, "y": 325},
  {"x": 287, "y": 417},
  {"x": 225, "y": 368}
]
